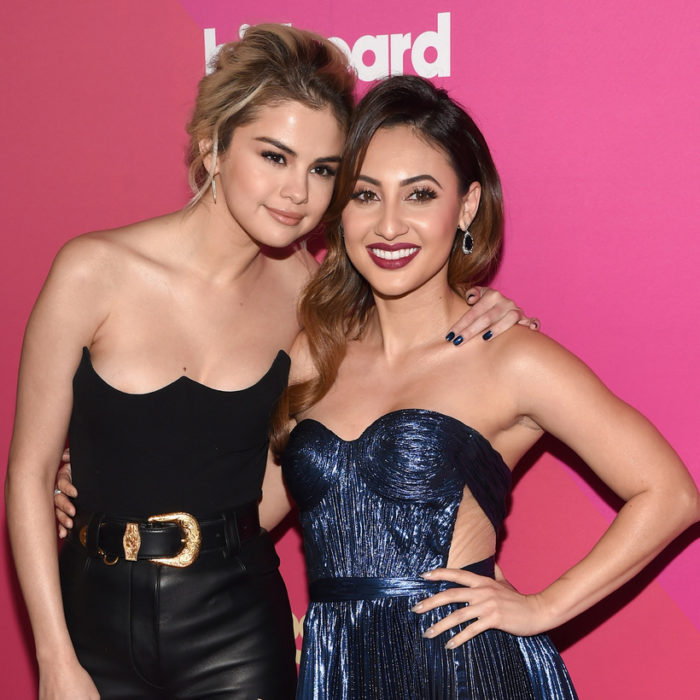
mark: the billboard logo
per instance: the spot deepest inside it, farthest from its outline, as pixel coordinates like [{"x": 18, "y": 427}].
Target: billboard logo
[{"x": 376, "y": 56}]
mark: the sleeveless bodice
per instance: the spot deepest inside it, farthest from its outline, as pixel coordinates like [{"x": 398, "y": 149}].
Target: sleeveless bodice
[
  {"x": 184, "y": 447},
  {"x": 377, "y": 512},
  {"x": 385, "y": 504}
]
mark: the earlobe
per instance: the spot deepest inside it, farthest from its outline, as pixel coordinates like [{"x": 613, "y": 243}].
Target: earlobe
[
  {"x": 470, "y": 205},
  {"x": 206, "y": 151}
]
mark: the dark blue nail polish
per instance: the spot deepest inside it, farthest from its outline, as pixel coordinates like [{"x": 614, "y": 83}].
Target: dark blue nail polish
[
  {"x": 457, "y": 340},
  {"x": 449, "y": 336},
  {"x": 487, "y": 336}
]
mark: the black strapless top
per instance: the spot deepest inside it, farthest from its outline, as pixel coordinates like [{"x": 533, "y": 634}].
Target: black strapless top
[{"x": 183, "y": 447}]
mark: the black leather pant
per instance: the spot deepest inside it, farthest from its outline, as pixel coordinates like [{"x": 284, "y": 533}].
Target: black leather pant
[{"x": 221, "y": 628}]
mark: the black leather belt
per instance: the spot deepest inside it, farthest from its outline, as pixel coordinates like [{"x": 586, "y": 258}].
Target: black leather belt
[{"x": 171, "y": 539}]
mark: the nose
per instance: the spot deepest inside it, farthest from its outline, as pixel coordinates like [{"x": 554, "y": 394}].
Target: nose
[
  {"x": 295, "y": 187},
  {"x": 391, "y": 223}
]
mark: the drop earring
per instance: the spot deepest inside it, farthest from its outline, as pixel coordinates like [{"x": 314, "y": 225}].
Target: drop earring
[
  {"x": 213, "y": 189},
  {"x": 467, "y": 241}
]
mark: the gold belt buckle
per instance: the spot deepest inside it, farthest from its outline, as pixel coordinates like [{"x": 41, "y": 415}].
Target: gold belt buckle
[
  {"x": 131, "y": 541},
  {"x": 191, "y": 541}
]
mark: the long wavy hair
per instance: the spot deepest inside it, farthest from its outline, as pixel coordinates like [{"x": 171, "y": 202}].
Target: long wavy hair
[{"x": 337, "y": 302}]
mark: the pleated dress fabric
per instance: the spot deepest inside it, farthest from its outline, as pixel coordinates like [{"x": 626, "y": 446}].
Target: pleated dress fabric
[{"x": 376, "y": 512}]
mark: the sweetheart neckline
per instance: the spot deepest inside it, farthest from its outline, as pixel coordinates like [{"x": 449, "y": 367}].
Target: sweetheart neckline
[
  {"x": 398, "y": 411},
  {"x": 169, "y": 385}
]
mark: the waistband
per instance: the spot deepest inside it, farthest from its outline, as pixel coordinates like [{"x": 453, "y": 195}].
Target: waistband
[
  {"x": 173, "y": 539},
  {"x": 348, "y": 588}
]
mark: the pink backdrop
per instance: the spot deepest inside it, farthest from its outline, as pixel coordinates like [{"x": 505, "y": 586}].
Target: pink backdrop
[{"x": 592, "y": 112}]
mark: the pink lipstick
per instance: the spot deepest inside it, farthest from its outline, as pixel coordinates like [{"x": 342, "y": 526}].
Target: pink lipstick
[{"x": 287, "y": 218}]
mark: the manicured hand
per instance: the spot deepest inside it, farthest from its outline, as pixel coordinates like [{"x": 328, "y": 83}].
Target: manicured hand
[
  {"x": 490, "y": 604},
  {"x": 490, "y": 315}
]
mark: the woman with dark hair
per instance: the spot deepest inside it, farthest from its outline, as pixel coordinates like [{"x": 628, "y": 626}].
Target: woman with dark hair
[{"x": 401, "y": 456}]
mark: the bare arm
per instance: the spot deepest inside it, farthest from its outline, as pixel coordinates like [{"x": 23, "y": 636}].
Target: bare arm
[
  {"x": 557, "y": 392},
  {"x": 64, "y": 319},
  {"x": 627, "y": 453}
]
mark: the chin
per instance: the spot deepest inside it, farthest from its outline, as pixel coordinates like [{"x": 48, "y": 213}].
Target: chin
[
  {"x": 281, "y": 241},
  {"x": 392, "y": 291}
]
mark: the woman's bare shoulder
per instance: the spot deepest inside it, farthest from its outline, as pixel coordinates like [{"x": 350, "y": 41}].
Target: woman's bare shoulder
[
  {"x": 87, "y": 259},
  {"x": 99, "y": 253},
  {"x": 542, "y": 377},
  {"x": 521, "y": 351}
]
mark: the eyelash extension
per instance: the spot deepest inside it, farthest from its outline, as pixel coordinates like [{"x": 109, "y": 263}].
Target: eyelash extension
[
  {"x": 360, "y": 193},
  {"x": 331, "y": 172},
  {"x": 274, "y": 156},
  {"x": 425, "y": 192}
]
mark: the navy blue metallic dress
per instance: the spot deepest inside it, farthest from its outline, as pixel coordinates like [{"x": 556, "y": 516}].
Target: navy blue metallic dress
[{"x": 376, "y": 512}]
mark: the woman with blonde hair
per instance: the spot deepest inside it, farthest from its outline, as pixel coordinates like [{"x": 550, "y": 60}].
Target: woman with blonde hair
[
  {"x": 401, "y": 456},
  {"x": 160, "y": 347}
]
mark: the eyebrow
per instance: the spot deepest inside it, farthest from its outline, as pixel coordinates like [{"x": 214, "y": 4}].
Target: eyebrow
[
  {"x": 403, "y": 183},
  {"x": 293, "y": 153}
]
